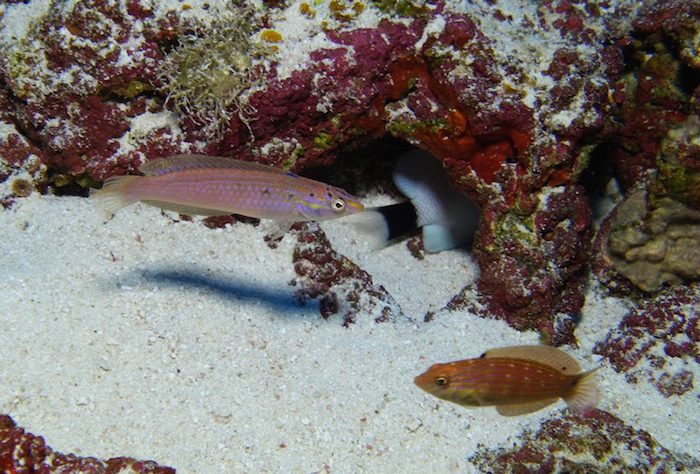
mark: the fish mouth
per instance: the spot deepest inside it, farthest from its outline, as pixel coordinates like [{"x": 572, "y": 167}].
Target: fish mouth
[{"x": 422, "y": 381}]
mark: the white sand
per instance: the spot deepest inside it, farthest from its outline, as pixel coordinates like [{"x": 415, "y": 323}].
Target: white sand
[{"x": 105, "y": 353}]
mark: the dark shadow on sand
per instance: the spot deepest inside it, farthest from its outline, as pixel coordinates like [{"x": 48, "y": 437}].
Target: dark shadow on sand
[{"x": 228, "y": 289}]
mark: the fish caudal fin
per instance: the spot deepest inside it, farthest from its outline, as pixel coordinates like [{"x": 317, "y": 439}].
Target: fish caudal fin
[
  {"x": 449, "y": 219},
  {"x": 113, "y": 195},
  {"x": 384, "y": 225},
  {"x": 438, "y": 237},
  {"x": 585, "y": 395}
]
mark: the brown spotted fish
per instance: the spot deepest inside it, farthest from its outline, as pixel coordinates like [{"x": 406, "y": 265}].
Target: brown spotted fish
[
  {"x": 517, "y": 380},
  {"x": 211, "y": 185}
]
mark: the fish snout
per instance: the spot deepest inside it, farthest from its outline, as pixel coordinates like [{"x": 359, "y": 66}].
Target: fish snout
[{"x": 353, "y": 206}]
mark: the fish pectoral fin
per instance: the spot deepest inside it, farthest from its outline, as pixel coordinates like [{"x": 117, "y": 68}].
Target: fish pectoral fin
[
  {"x": 524, "y": 408},
  {"x": 187, "y": 210},
  {"x": 277, "y": 229}
]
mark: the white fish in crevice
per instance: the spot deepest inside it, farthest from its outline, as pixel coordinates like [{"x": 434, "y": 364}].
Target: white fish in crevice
[{"x": 449, "y": 219}]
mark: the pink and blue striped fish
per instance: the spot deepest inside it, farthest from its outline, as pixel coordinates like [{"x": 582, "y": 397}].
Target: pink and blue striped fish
[
  {"x": 517, "y": 380},
  {"x": 210, "y": 186}
]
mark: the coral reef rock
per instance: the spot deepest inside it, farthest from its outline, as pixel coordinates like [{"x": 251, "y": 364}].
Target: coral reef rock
[
  {"x": 342, "y": 286},
  {"x": 598, "y": 442},
  {"x": 652, "y": 238},
  {"x": 24, "y": 453}
]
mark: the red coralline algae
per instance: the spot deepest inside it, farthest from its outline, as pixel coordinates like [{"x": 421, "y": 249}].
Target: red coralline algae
[
  {"x": 342, "y": 286},
  {"x": 655, "y": 94},
  {"x": 658, "y": 342},
  {"x": 76, "y": 84},
  {"x": 593, "y": 443},
  {"x": 355, "y": 75},
  {"x": 558, "y": 226},
  {"x": 16, "y": 152},
  {"x": 25, "y": 453},
  {"x": 652, "y": 105}
]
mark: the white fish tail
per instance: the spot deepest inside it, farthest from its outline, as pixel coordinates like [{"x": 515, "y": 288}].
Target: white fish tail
[
  {"x": 373, "y": 224},
  {"x": 113, "y": 195},
  {"x": 385, "y": 224},
  {"x": 586, "y": 395}
]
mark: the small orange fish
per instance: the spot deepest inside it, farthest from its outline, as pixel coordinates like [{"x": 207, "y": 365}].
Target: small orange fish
[
  {"x": 212, "y": 185},
  {"x": 517, "y": 380}
]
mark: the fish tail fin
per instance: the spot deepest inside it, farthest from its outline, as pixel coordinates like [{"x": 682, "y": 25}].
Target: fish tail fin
[
  {"x": 585, "y": 394},
  {"x": 113, "y": 195},
  {"x": 449, "y": 218},
  {"x": 385, "y": 224}
]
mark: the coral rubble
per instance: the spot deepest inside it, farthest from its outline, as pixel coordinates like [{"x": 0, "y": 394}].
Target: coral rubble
[
  {"x": 595, "y": 443},
  {"x": 658, "y": 342},
  {"x": 24, "y": 453},
  {"x": 341, "y": 285}
]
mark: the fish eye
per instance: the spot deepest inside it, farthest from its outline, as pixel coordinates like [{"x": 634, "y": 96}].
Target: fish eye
[
  {"x": 338, "y": 205},
  {"x": 441, "y": 381}
]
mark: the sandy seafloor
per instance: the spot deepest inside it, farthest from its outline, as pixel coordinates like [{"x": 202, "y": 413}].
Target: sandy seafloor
[{"x": 160, "y": 339}]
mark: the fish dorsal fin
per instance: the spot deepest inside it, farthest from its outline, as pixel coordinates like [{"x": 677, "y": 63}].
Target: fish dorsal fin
[
  {"x": 523, "y": 408},
  {"x": 183, "y": 162},
  {"x": 546, "y": 355}
]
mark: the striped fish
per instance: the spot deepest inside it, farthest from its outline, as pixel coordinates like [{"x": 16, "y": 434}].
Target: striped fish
[
  {"x": 517, "y": 380},
  {"x": 210, "y": 186}
]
